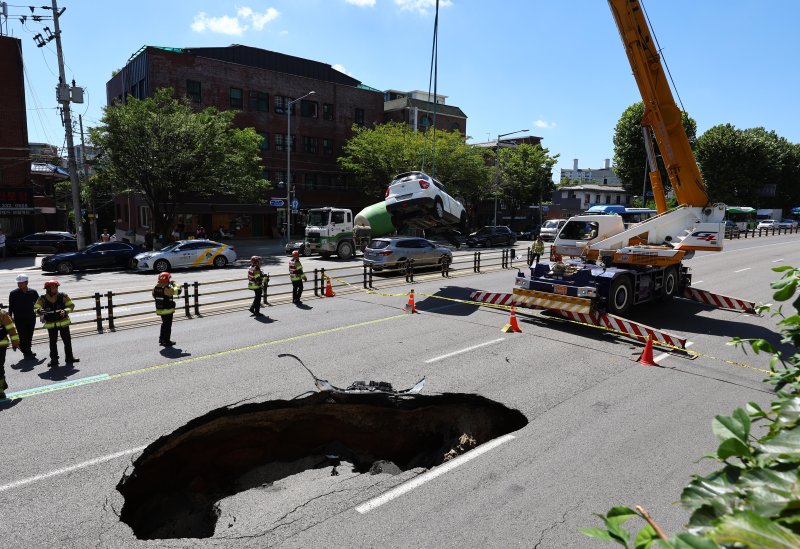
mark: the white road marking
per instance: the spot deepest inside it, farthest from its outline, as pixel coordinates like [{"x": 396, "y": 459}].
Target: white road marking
[
  {"x": 696, "y": 282},
  {"x": 398, "y": 491},
  {"x": 454, "y": 353},
  {"x": 662, "y": 356},
  {"x": 65, "y": 470},
  {"x": 743, "y": 270},
  {"x": 777, "y": 260}
]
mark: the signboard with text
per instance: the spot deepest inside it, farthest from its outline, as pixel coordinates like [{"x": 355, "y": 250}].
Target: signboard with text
[{"x": 16, "y": 201}]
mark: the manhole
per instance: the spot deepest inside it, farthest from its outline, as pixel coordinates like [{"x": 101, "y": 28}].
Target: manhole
[{"x": 174, "y": 486}]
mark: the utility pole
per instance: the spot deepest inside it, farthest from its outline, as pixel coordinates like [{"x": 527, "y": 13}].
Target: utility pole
[
  {"x": 63, "y": 95},
  {"x": 92, "y": 212}
]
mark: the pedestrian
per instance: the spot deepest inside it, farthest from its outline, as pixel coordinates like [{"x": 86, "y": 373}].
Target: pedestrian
[
  {"x": 297, "y": 277},
  {"x": 54, "y": 308},
  {"x": 164, "y": 293},
  {"x": 538, "y": 250},
  {"x": 20, "y": 306},
  {"x": 8, "y": 335},
  {"x": 255, "y": 282},
  {"x": 105, "y": 237},
  {"x": 148, "y": 240},
  {"x": 2, "y": 243},
  {"x": 200, "y": 234}
]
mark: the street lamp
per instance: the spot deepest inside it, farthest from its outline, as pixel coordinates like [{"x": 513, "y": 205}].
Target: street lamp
[
  {"x": 289, "y": 165},
  {"x": 497, "y": 170}
]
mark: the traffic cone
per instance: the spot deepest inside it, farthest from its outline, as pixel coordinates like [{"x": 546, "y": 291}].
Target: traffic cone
[
  {"x": 512, "y": 325},
  {"x": 647, "y": 355},
  {"x": 329, "y": 289},
  {"x": 410, "y": 308}
]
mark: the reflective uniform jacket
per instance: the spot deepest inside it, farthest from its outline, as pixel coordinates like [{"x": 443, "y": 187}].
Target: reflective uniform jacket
[
  {"x": 163, "y": 295},
  {"x": 538, "y": 247},
  {"x": 8, "y": 332},
  {"x": 296, "y": 270},
  {"x": 255, "y": 278},
  {"x": 49, "y": 310}
]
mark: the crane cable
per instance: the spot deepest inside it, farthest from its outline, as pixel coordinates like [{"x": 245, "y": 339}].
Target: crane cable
[
  {"x": 433, "y": 78},
  {"x": 661, "y": 53}
]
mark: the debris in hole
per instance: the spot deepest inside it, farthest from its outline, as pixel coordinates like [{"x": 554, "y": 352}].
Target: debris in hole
[
  {"x": 175, "y": 485},
  {"x": 359, "y": 386},
  {"x": 465, "y": 444},
  {"x": 385, "y": 467}
]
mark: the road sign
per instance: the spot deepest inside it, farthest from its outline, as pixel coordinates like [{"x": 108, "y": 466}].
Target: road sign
[
  {"x": 545, "y": 208},
  {"x": 295, "y": 204},
  {"x": 277, "y": 202}
]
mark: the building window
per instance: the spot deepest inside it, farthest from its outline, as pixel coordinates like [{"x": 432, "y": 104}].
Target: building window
[
  {"x": 193, "y": 90},
  {"x": 280, "y": 142},
  {"x": 597, "y": 199},
  {"x": 618, "y": 199},
  {"x": 282, "y": 104},
  {"x": 327, "y": 111},
  {"x": 309, "y": 109},
  {"x": 144, "y": 217},
  {"x": 264, "y": 144},
  {"x": 608, "y": 199},
  {"x": 236, "y": 98},
  {"x": 311, "y": 181},
  {"x": 425, "y": 122},
  {"x": 455, "y": 126},
  {"x": 258, "y": 101},
  {"x": 327, "y": 147},
  {"x": 360, "y": 117},
  {"x": 310, "y": 144}
]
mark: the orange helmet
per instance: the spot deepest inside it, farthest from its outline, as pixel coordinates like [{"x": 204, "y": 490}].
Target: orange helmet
[
  {"x": 164, "y": 277},
  {"x": 51, "y": 284},
  {"x": 295, "y": 253}
]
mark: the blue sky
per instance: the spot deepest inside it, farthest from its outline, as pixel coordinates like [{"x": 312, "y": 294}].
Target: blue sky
[{"x": 555, "y": 67}]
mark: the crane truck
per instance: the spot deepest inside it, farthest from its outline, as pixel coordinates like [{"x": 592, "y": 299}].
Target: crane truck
[{"x": 598, "y": 266}]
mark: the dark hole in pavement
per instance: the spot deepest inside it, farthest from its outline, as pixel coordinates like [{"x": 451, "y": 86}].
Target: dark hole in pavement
[{"x": 176, "y": 483}]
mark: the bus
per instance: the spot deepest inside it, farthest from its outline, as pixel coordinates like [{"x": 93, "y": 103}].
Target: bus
[{"x": 630, "y": 216}]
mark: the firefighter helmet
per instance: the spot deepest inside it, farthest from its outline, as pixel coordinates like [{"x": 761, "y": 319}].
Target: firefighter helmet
[
  {"x": 255, "y": 259},
  {"x": 51, "y": 284},
  {"x": 164, "y": 277},
  {"x": 295, "y": 253}
]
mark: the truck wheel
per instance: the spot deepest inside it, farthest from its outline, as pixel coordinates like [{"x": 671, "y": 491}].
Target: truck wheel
[
  {"x": 620, "y": 298},
  {"x": 670, "y": 284},
  {"x": 438, "y": 208},
  {"x": 345, "y": 250}
]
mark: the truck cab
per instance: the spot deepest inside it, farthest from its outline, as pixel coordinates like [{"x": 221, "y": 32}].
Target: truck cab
[
  {"x": 581, "y": 231},
  {"x": 330, "y": 231}
]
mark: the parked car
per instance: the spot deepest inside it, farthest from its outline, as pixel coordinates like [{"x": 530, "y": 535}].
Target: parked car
[
  {"x": 185, "y": 254},
  {"x": 787, "y": 224},
  {"x": 732, "y": 230},
  {"x": 524, "y": 235},
  {"x": 393, "y": 253},
  {"x": 298, "y": 245},
  {"x": 48, "y": 242},
  {"x": 767, "y": 224},
  {"x": 492, "y": 236},
  {"x": 417, "y": 199},
  {"x": 551, "y": 228},
  {"x": 103, "y": 255}
]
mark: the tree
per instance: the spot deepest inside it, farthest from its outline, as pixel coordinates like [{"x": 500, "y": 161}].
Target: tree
[
  {"x": 161, "y": 148},
  {"x": 630, "y": 157},
  {"x": 527, "y": 175},
  {"x": 375, "y": 155}
]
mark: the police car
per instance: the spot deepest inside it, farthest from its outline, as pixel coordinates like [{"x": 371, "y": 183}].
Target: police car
[{"x": 185, "y": 254}]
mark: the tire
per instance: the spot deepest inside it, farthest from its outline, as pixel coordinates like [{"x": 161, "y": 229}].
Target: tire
[
  {"x": 131, "y": 263},
  {"x": 400, "y": 267},
  {"x": 345, "y": 250},
  {"x": 438, "y": 208},
  {"x": 220, "y": 261},
  {"x": 64, "y": 267},
  {"x": 620, "y": 297},
  {"x": 161, "y": 266},
  {"x": 670, "y": 285}
]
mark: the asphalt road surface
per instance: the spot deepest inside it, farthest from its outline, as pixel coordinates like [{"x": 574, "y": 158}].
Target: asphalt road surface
[{"x": 602, "y": 429}]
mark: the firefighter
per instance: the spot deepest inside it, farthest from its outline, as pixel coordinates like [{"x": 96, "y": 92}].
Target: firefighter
[
  {"x": 8, "y": 335},
  {"x": 163, "y": 293},
  {"x": 53, "y": 309},
  {"x": 297, "y": 276},
  {"x": 538, "y": 250},
  {"x": 255, "y": 282},
  {"x": 20, "y": 306}
]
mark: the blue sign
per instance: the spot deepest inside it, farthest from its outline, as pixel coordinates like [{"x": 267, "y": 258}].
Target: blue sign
[
  {"x": 277, "y": 202},
  {"x": 545, "y": 208},
  {"x": 295, "y": 204}
]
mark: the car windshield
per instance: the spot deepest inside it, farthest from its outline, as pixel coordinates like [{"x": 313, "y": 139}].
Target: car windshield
[
  {"x": 550, "y": 225},
  {"x": 170, "y": 246},
  {"x": 318, "y": 218}
]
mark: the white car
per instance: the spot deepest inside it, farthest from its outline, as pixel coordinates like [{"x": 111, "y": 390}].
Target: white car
[
  {"x": 185, "y": 254},
  {"x": 767, "y": 224},
  {"x": 417, "y": 199}
]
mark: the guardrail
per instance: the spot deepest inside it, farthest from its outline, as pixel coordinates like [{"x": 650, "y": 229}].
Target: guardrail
[
  {"x": 763, "y": 232},
  {"x": 112, "y": 310}
]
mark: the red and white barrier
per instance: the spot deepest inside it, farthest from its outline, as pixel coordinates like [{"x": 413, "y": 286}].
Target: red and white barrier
[
  {"x": 492, "y": 298},
  {"x": 719, "y": 300},
  {"x": 622, "y": 325}
]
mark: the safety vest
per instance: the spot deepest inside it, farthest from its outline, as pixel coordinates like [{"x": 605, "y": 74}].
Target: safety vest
[
  {"x": 7, "y": 329},
  {"x": 49, "y": 310},
  {"x": 538, "y": 247},
  {"x": 165, "y": 305},
  {"x": 254, "y": 278},
  {"x": 295, "y": 269}
]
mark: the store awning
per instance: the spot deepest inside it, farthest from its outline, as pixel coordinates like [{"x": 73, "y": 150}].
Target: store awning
[
  {"x": 796, "y": 211},
  {"x": 741, "y": 210}
]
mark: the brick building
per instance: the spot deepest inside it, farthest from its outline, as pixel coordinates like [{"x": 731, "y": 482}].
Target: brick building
[
  {"x": 16, "y": 190},
  {"x": 258, "y": 83}
]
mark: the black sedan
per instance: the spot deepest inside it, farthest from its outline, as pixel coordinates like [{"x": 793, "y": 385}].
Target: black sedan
[
  {"x": 49, "y": 242},
  {"x": 103, "y": 255}
]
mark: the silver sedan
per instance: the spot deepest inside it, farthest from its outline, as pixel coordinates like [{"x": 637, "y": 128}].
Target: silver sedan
[{"x": 393, "y": 253}]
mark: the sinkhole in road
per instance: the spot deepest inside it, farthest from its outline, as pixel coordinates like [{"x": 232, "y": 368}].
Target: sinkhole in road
[{"x": 175, "y": 485}]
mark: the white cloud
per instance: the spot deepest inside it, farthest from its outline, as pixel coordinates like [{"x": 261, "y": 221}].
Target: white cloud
[
  {"x": 421, "y": 6},
  {"x": 341, "y": 68},
  {"x": 236, "y": 24},
  {"x": 362, "y": 3},
  {"x": 544, "y": 124}
]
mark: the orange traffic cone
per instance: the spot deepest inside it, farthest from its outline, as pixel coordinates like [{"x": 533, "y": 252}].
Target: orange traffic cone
[
  {"x": 329, "y": 289},
  {"x": 512, "y": 325},
  {"x": 647, "y": 355},
  {"x": 410, "y": 308}
]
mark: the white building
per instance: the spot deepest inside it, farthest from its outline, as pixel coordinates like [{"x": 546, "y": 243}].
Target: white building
[{"x": 591, "y": 176}]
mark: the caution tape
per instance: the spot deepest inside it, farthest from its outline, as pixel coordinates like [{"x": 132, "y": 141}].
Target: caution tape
[{"x": 604, "y": 328}]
